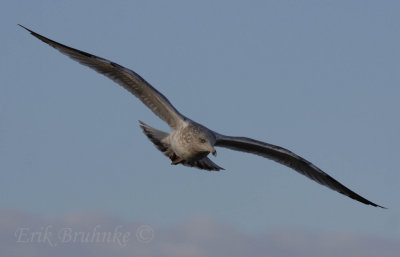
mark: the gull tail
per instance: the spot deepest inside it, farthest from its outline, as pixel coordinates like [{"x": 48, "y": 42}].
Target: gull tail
[{"x": 156, "y": 136}]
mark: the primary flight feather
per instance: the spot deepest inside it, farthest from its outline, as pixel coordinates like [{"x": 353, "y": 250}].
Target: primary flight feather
[{"x": 189, "y": 143}]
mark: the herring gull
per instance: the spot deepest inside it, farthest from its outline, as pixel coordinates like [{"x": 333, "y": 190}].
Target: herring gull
[{"x": 189, "y": 142}]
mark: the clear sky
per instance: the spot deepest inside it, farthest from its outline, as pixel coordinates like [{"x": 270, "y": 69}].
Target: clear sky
[{"x": 320, "y": 78}]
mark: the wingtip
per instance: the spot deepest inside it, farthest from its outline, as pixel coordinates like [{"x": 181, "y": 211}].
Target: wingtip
[
  {"x": 33, "y": 33},
  {"x": 376, "y": 205},
  {"x": 25, "y": 28}
]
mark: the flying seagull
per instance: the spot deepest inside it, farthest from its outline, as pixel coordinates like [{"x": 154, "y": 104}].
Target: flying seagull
[{"x": 189, "y": 143}]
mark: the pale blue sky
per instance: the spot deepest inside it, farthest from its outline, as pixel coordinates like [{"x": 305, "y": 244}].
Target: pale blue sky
[{"x": 320, "y": 78}]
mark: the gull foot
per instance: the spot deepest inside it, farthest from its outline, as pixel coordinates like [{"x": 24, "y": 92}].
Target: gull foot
[{"x": 175, "y": 159}]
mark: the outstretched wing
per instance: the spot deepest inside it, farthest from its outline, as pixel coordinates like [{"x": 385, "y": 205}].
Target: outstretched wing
[
  {"x": 128, "y": 79},
  {"x": 287, "y": 158}
]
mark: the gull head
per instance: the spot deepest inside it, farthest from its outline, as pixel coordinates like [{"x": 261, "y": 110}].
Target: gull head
[
  {"x": 200, "y": 139},
  {"x": 206, "y": 146}
]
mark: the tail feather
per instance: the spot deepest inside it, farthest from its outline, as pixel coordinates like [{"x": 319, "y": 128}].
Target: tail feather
[
  {"x": 203, "y": 164},
  {"x": 156, "y": 136}
]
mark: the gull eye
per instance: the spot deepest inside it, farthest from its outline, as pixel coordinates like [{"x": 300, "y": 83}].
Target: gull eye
[{"x": 202, "y": 140}]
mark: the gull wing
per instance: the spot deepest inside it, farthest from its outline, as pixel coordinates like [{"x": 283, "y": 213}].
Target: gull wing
[
  {"x": 127, "y": 78},
  {"x": 289, "y": 159}
]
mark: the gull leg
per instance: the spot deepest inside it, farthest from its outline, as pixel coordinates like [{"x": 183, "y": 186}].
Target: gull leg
[{"x": 175, "y": 159}]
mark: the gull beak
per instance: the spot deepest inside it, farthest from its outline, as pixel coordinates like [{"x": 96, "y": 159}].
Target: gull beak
[{"x": 214, "y": 153}]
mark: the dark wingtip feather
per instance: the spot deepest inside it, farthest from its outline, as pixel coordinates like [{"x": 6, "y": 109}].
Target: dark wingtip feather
[
  {"x": 24, "y": 27},
  {"x": 30, "y": 31},
  {"x": 376, "y": 205},
  {"x": 383, "y": 207}
]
